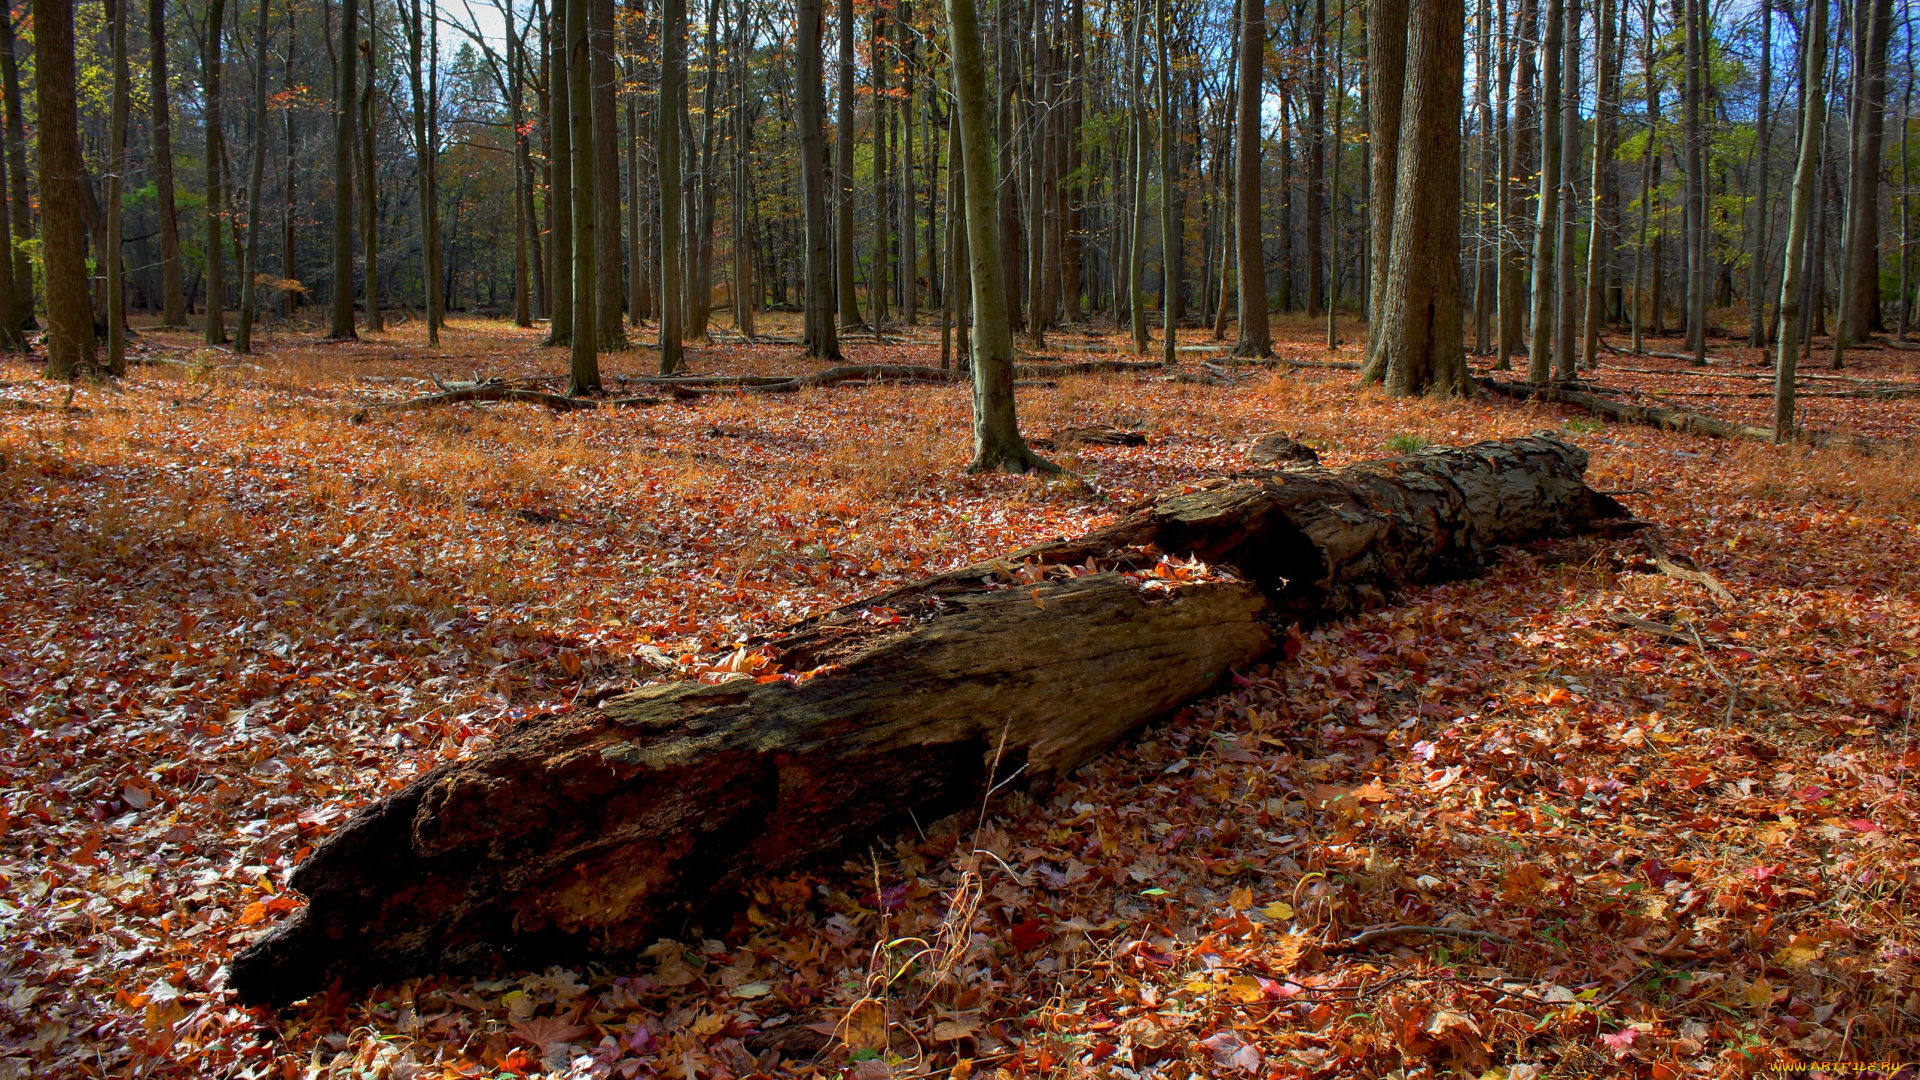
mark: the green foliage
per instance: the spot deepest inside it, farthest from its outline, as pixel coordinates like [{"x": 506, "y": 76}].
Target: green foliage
[{"x": 1406, "y": 443}]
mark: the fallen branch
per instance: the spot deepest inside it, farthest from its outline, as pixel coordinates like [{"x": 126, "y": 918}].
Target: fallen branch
[
  {"x": 1386, "y": 933},
  {"x": 582, "y": 833},
  {"x": 1686, "y": 571},
  {"x": 1673, "y": 419}
]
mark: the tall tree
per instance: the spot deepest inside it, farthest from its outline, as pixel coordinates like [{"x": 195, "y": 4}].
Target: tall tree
[
  {"x": 173, "y": 295},
  {"x": 63, "y": 249},
  {"x": 673, "y": 112},
  {"x": 1598, "y": 232},
  {"x": 843, "y": 170},
  {"x": 341, "y": 326},
  {"x": 1420, "y": 330},
  {"x": 997, "y": 445},
  {"x": 1546, "y": 227},
  {"x": 822, "y": 342},
  {"x": 611, "y": 323},
  {"x": 1169, "y": 228},
  {"x": 214, "y": 324},
  {"x": 1757, "y": 261},
  {"x": 877, "y": 66},
  {"x": 1694, "y": 134},
  {"x": 1255, "y": 338},
  {"x": 1566, "y": 308},
  {"x": 116, "y": 184},
  {"x": 1859, "y": 314},
  {"x": 1516, "y": 130},
  {"x": 369, "y": 176},
  {"x": 1812, "y": 139},
  {"x": 584, "y": 377},
  {"x": 423, "y": 57},
  {"x": 257, "y": 173},
  {"x": 1386, "y": 79},
  {"x": 1137, "y": 108},
  {"x": 560, "y": 187}
]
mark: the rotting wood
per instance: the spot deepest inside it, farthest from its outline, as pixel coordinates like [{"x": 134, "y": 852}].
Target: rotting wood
[{"x": 584, "y": 833}]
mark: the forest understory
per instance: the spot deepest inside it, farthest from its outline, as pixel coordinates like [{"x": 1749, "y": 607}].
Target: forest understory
[{"x": 1652, "y": 823}]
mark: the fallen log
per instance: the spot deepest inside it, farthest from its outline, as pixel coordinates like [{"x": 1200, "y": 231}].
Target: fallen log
[
  {"x": 1674, "y": 419},
  {"x": 584, "y": 833}
]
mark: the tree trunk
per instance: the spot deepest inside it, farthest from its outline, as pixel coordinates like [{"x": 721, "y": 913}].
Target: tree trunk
[
  {"x": 1420, "y": 331},
  {"x": 214, "y": 325},
  {"x": 822, "y": 340},
  {"x": 583, "y": 833},
  {"x": 673, "y": 110},
  {"x": 560, "y": 190},
  {"x": 1255, "y": 338},
  {"x": 1514, "y": 150},
  {"x": 63, "y": 248},
  {"x": 1137, "y": 250},
  {"x": 997, "y": 445},
  {"x": 173, "y": 301},
  {"x": 1757, "y": 266},
  {"x": 1813, "y": 115},
  {"x": 1566, "y": 306},
  {"x": 117, "y": 167},
  {"x": 289, "y": 247},
  {"x": 1546, "y": 225},
  {"x": 1859, "y": 314},
  {"x": 1386, "y": 78},
  {"x": 849, "y": 302},
  {"x": 1169, "y": 228},
  {"x": 341, "y": 326},
  {"x": 1598, "y": 236},
  {"x": 878, "y": 63},
  {"x": 584, "y": 374},
  {"x": 610, "y": 323},
  {"x": 257, "y": 174},
  {"x": 369, "y": 183}
]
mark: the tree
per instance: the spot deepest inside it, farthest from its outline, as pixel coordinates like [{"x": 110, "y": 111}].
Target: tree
[
  {"x": 369, "y": 181},
  {"x": 257, "y": 138},
  {"x": 1757, "y": 261},
  {"x": 673, "y": 111},
  {"x": 1812, "y": 133},
  {"x": 173, "y": 310},
  {"x": 423, "y": 57},
  {"x": 1169, "y": 228},
  {"x": 584, "y": 377},
  {"x": 821, "y": 340},
  {"x": 560, "y": 188},
  {"x": 610, "y": 323},
  {"x": 1859, "y": 314},
  {"x": 116, "y": 185},
  {"x": 1597, "y": 233},
  {"x": 997, "y": 445},
  {"x": 69, "y": 341},
  {"x": 1255, "y": 338},
  {"x": 1386, "y": 79},
  {"x": 1420, "y": 330},
  {"x": 341, "y": 327},
  {"x": 1137, "y": 249},
  {"x": 1546, "y": 227},
  {"x": 843, "y": 171},
  {"x": 214, "y": 325}
]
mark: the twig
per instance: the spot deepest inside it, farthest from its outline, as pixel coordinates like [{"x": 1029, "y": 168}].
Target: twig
[
  {"x": 1361, "y": 941},
  {"x": 1674, "y": 569}
]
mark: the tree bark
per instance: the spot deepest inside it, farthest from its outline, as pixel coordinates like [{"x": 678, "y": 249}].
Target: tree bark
[
  {"x": 1255, "y": 337},
  {"x": 1546, "y": 226},
  {"x": 1859, "y": 314},
  {"x": 611, "y": 326},
  {"x": 1386, "y": 78},
  {"x": 173, "y": 297},
  {"x": 1420, "y": 322},
  {"x": 560, "y": 189},
  {"x": 1813, "y": 115},
  {"x": 583, "y": 833},
  {"x": 214, "y": 324},
  {"x": 369, "y": 183},
  {"x": 849, "y": 301},
  {"x": 341, "y": 326},
  {"x": 673, "y": 110},
  {"x": 997, "y": 445},
  {"x": 822, "y": 340},
  {"x": 116, "y": 184},
  {"x": 63, "y": 248},
  {"x": 584, "y": 373},
  {"x": 257, "y": 174},
  {"x": 1757, "y": 266},
  {"x": 1598, "y": 238}
]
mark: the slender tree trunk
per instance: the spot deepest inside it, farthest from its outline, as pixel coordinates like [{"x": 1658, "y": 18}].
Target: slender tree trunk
[
  {"x": 1137, "y": 253},
  {"x": 849, "y": 303},
  {"x": 256, "y": 180},
  {"x": 215, "y": 326},
  {"x": 341, "y": 326},
  {"x": 1697, "y": 246},
  {"x": 584, "y": 375},
  {"x": 523, "y": 220},
  {"x": 1757, "y": 267},
  {"x": 1805, "y": 176},
  {"x": 1514, "y": 149},
  {"x": 560, "y": 191},
  {"x": 1597, "y": 234},
  {"x": 1567, "y": 308},
  {"x": 1647, "y": 293},
  {"x": 369, "y": 185},
  {"x": 909, "y": 258},
  {"x": 1333, "y": 189},
  {"x": 173, "y": 303},
  {"x": 1486, "y": 250},
  {"x": 1317, "y": 161},
  {"x": 997, "y": 445},
  {"x": 879, "y": 62},
  {"x": 743, "y": 276},
  {"x": 1255, "y": 339},
  {"x": 1546, "y": 228},
  {"x": 1169, "y": 228},
  {"x": 822, "y": 341},
  {"x": 117, "y": 151},
  {"x": 1386, "y": 79},
  {"x": 289, "y": 249},
  {"x": 69, "y": 338}
]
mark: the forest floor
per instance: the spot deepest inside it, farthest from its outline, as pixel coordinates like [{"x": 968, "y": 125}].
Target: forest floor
[{"x": 235, "y": 603}]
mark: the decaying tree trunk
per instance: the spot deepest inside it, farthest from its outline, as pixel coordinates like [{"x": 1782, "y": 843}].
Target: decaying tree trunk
[{"x": 586, "y": 832}]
